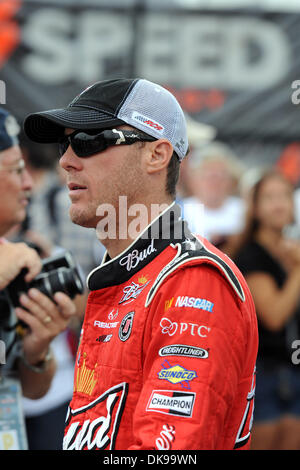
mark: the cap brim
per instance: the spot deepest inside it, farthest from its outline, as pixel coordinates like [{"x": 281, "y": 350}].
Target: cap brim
[{"x": 48, "y": 126}]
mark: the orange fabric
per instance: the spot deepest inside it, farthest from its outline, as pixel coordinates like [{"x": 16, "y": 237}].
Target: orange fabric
[{"x": 9, "y": 29}]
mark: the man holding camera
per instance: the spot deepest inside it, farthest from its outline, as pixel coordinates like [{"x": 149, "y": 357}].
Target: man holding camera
[
  {"x": 169, "y": 341},
  {"x": 28, "y": 350}
]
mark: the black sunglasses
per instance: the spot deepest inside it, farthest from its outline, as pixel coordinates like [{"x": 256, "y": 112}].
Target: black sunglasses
[{"x": 88, "y": 143}]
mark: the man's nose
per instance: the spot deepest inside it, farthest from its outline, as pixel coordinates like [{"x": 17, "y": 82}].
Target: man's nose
[
  {"x": 69, "y": 160},
  {"x": 27, "y": 181}
]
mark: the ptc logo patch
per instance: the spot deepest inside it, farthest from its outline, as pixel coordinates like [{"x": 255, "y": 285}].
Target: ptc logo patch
[{"x": 126, "y": 326}]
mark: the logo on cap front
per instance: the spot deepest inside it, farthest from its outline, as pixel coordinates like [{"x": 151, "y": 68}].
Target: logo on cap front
[{"x": 80, "y": 94}]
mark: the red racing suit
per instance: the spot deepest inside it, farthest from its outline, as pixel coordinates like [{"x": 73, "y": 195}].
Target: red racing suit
[{"x": 168, "y": 348}]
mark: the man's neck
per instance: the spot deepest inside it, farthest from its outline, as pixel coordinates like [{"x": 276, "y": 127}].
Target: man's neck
[{"x": 131, "y": 224}]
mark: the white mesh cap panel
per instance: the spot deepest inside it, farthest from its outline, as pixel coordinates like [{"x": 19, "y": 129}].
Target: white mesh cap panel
[{"x": 155, "y": 111}]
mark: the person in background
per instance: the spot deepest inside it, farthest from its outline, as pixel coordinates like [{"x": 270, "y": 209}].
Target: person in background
[
  {"x": 48, "y": 228},
  {"x": 29, "y": 355},
  {"x": 47, "y": 212},
  {"x": 214, "y": 210},
  {"x": 271, "y": 266},
  {"x": 199, "y": 135}
]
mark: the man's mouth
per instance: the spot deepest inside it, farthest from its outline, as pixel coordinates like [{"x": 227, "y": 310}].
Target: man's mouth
[
  {"x": 24, "y": 202},
  {"x": 76, "y": 187},
  {"x": 24, "y": 199}
]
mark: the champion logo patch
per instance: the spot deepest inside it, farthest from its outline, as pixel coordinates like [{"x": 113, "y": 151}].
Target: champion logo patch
[{"x": 172, "y": 403}]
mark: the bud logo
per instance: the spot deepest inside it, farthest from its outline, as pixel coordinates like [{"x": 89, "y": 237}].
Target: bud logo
[
  {"x": 135, "y": 257},
  {"x": 147, "y": 122},
  {"x": 177, "y": 374},
  {"x": 132, "y": 291},
  {"x": 101, "y": 433}
]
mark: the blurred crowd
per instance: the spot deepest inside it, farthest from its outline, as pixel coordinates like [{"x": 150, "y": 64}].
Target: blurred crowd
[{"x": 250, "y": 213}]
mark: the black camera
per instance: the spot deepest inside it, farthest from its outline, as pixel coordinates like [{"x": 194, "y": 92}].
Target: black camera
[{"x": 59, "y": 273}]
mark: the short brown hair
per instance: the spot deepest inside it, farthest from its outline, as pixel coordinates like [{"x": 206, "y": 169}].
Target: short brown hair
[
  {"x": 172, "y": 171},
  {"x": 172, "y": 175}
]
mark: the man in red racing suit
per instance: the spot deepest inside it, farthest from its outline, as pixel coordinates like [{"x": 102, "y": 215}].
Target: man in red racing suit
[
  {"x": 169, "y": 340},
  {"x": 167, "y": 353}
]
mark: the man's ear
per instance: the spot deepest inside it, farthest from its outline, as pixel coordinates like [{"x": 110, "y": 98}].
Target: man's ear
[{"x": 159, "y": 154}]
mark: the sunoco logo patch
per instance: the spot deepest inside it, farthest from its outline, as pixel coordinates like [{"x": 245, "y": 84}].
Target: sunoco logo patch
[{"x": 176, "y": 374}]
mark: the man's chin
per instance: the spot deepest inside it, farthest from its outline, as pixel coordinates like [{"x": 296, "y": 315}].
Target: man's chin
[
  {"x": 20, "y": 216},
  {"x": 82, "y": 219}
]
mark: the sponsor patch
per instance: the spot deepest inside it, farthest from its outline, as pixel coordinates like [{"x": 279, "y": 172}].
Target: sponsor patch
[
  {"x": 183, "y": 350},
  {"x": 132, "y": 291},
  {"x": 104, "y": 338},
  {"x": 166, "y": 438},
  {"x": 113, "y": 315},
  {"x": 84, "y": 433},
  {"x": 168, "y": 304},
  {"x": 131, "y": 260},
  {"x": 172, "y": 403},
  {"x": 126, "y": 326},
  {"x": 176, "y": 374},
  {"x": 86, "y": 377},
  {"x": 146, "y": 121},
  {"x": 169, "y": 327},
  {"x": 194, "y": 302},
  {"x": 104, "y": 324}
]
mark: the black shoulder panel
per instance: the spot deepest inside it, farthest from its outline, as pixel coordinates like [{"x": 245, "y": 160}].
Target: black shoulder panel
[{"x": 194, "y": 250}]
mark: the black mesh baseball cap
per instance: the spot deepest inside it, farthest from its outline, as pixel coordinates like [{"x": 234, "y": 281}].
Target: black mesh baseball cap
[{"x": 110, "y": 103}]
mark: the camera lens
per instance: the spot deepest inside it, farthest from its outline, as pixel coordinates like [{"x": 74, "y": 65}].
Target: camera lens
[
  {"x": 60, "y": 273},
  {"x": 59, "y": 280}
]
